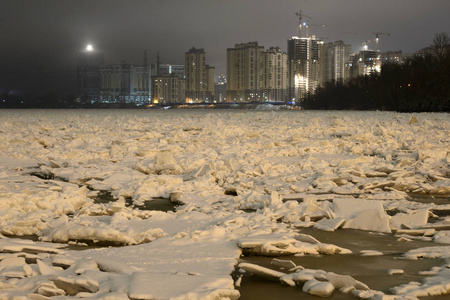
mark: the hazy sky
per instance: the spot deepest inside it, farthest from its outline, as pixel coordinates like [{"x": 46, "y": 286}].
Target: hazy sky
[{"x": 40, "y": 38}]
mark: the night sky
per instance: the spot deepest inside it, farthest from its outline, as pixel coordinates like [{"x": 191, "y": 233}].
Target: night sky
[{"x": 41, "y": 38}]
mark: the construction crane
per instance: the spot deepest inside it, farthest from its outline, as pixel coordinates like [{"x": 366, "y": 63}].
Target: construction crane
[
  {"x": 377, "y": 35},
  {"x": 300, "y": 22},
  {"x": 312, "y": 24},
  {"x": 366, "y": 44}
]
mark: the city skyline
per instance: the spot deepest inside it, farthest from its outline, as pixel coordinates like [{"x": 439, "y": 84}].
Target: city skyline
[{"x": 43, "y": 38}]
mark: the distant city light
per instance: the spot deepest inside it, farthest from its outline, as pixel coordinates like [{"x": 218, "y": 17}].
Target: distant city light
[{"x": 89, "y": 48}]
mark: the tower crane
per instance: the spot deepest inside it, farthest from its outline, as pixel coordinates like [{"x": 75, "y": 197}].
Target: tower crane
[
  {"x": 300, "y": 16},
  {"x": 313, "y": 24},
  {"x": 366, "y": 44},
  {"x": 377, "y": 35}
]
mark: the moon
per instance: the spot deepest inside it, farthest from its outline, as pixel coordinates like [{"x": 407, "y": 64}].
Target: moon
[{"x": 89, "y": 47}]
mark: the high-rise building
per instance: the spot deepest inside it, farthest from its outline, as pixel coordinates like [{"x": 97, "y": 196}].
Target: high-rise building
[
  {"x": 335, "y": 62},
  {"x": 199, "y": 77},
  {"x": 244, "y": 74},
  {"x": 220, "y": 88},
  {"x": 88, "y": 75},
  {"x": 304, "y": 57},
  {"x": 275, "y": 75},
  {"x": 256, "y": 75},
  {"x": 210, "y": 83},
  {"x": 168, "y": 69},
  {"x": 168, "y": 88}
]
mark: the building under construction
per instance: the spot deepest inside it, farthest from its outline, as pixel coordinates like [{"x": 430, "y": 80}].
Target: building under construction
[
  {"x": 366, "y": 62},
  {"x": 304, "y": 57}
]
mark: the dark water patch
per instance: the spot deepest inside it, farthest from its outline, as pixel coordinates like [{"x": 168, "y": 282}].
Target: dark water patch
[
  {"x": 442, "y": 297},
  {"x": 90, "y": 244},
  {"x": 42, "y": 175},
  {"x": 392, "y": 212},
  {"x": 156, "y": 204},
  {"x": 371, "y": 270},
  {"x": 441, "y": 212},
  {"x": 436, "y": 199},
  {"x": 33, "y": 238},
  {"x": 104, "y": 197},
  {"x": 231, "y": 191},
  {"x": 358, "y": 240},
  {"x": 255, "y": 288}
]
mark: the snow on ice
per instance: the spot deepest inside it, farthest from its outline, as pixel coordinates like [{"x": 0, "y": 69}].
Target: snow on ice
[{"x": 246, "y": 182}]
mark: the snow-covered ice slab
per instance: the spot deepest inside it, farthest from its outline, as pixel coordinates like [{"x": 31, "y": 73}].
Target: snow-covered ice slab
[
  {"x": 276, "y": 245},
  {"x": 415, "y": 219},
  {"x": 362, "y": 214},
  {"x": 17, "y": 245},
  {"x": 146, "y": 285}
]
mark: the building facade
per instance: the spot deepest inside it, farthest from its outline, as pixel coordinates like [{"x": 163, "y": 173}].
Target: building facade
[
  {"x": 256, "y": 75},
  {"x": 168, "y": 88},
  {"x": 220, "y": 88},
  {"x": 394, "y": 56},
  {"x": 199, "y": 77},
  {"x": 125, "y": 83},
  {"x": 304, "y": 59},
  {"x": 244, "y": 74},
  {"x": 88, "y": 75},
  {"x": 168, "y": 69},
  {"x": 366, "y": 62},
  {"x": 275, "y": 75},
  {"x": 335, "y": 62}
]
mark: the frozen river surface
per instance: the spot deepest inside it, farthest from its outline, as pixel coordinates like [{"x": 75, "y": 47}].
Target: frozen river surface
[{"x": 335, "y": 204}]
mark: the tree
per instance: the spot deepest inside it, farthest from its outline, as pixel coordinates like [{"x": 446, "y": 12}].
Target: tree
[
  {"x": 441, "y": 45},
  {"x": 441, "y": 51},
  {"x": 421, "y": 83}
]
